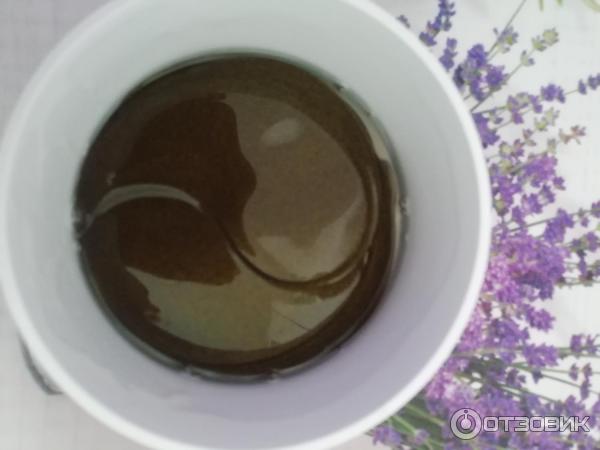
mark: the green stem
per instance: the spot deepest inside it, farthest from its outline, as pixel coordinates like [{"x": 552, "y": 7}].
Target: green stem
[
  {"x": 519, "y": 167},
  {"x": 565, "y": 371},
  {"x": 425, "y": 415},
  {"x": 572, "y": 264},
  {"x": 509, "y": 23},
  {"x": 560, "y": 380},
  {"x": 411, "y": 430},
  {"x": 527, "y": 111},
  {"x": 485, "y": 352},
  {"x": 581, "y": 355},
  {"x": 509, "y": 122},
  {"x": 513, "y": 390},
  {"x": 573, "y": 280},
  {"x": 544, "y": 221},
  {"x": 563, "y": 351},
  {"x": 524, "y": 391},
  {"x": 493, "y": 54},
  {"x": 533, "y": 155},
  {"x": 580, "y": 283}
]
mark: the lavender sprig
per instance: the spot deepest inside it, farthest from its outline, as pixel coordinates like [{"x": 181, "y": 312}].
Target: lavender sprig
[
  {"x": 441, "y": 23},
  {"x": 497, "y": 364}
]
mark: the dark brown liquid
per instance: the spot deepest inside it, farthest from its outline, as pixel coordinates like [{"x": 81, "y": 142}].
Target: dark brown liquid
[{"x": 234, "y": 216}]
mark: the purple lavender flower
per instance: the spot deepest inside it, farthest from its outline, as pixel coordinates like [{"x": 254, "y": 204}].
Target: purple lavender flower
[
  {"x": 470, "y": 72},
  {"x": 536, "y": 375},
  {"x": 495, "y": 356},
  {"x": 577, "y": 343},
  {"x": 587, "y": 371},
  {"x": 495, "y": 77},
  {"x": 504, "y": 189},
  {"x": 536, "y": 104},
  {"x": 520, "y": 103},
  {"x": 476, "y": 89},
  {"x": 592, "y": 243},
  {"x": 584, "y": 389},
  {"x": 445, "y": 14},
  {"x": 538, "y": 318},
  {"x": 404, "y": 20},
  {"x": 530, "y": 204},
  {"x": 557, "y": 227},
  {"x": 559, "y": 183},
  {"x": 506, "y": 333},
  {"x": 459, "y": 78},
  {"x": 574, "y": 372},
  {"x": 514, "y": 107},
  {"x": 553, "y": 92},
  {"x": 541, "y": 355},
  {"x": 518, "y": 216},
  {"x": 477, "y": 56},
  {"x": 547, "y": 193},
  {"x": 534, "y": 267},
  {"x": 574, "y": 407},
  {"x": 473, "y": 336},
  {"x": 420, "y": 438},
  {"x": 442, "y": 22},
  {"x": 583, "y": 217},
  {"x": 506, "y": 39},
  {"x": 445, "y": 385},
  {"x": 590, "y": 344},
  {"x": 595, "y": 210},
  {"x": 595, "y": 268},
  {"x": 593, "y": 82},
  {"x": 545, "y": 441},
  {"x": 488, "y": 135},
  {"x": 526, "y": 59},
  {"x": 582, "y": 266},
  {"x": 540, "y": 169},
  {"x": 387, "y": 435},
  {"x": 447, "y": 59},
  {"x": 499, "y": 281},
  {"x": 427, "y": 38}
]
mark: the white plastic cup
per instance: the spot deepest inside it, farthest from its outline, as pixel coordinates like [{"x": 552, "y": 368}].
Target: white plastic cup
[{"x": 429, "y": 298}]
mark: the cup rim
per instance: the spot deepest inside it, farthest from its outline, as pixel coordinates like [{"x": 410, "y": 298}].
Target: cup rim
[{"x": 49, "y": 362}]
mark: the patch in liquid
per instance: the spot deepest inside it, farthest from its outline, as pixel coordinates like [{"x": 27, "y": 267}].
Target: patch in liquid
[{"x": 235, "y": 216}]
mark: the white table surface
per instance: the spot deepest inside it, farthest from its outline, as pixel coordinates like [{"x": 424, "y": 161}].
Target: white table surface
[{"x": 30, "y": 420}]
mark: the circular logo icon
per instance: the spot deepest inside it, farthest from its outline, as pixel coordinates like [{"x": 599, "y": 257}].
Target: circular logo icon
[{"x": 465, "y": 424}]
